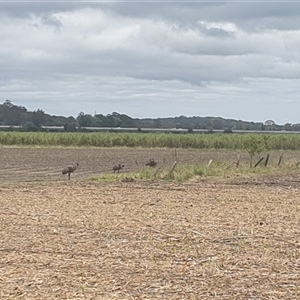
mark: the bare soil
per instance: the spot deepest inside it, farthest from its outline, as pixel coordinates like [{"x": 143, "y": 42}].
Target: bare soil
[
  {"x": 80, "y": 239},
  {"x": 28, "y": 164}
]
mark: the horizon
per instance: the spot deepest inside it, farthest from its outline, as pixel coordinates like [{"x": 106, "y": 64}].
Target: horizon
[{"x": 120, "y": 113}]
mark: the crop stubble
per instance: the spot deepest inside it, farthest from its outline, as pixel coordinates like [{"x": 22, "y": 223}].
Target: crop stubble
[{"x": 214, "y": 239}]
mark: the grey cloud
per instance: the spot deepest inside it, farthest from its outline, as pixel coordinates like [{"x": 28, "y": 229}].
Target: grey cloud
[
  {"x": 23, "y": 8},
  {"x": 175, "y": 57},
  {"x": 51, "y": 21}
]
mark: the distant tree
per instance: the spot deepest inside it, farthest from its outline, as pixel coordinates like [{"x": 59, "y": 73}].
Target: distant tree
[
  {"x": 38, "y": 117},
  {"x": 119, "y": 120},
  {"x": 296, "y": 127},
  {"x": 288, "y": 127},
  {"x": 269, "y": 124},
  {"x": 128, "y": 122},
  {"x": 87, "y": 120},
  {"x": 102, "y": 120},
  {"x": 158, "y": 123},
  {"x": 218, "y": 123},
  {"x": 114, "y": 119},
  {"x": 11, "y": 114},
  {"x": 227, "y": 130},
  {"x": 8, "y": 103},
  {"x": 254, "y": 144},
  {"x": 84, "y": 120},
  {"x": 70, "y": 127},
  {"x": 29, "y": 126}
]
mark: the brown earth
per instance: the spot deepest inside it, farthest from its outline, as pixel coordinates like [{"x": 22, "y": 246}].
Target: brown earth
[
  {"x": 32, "y": 164},
  {"x": 27, "y": 164},
  {"x": 80, "y": 239}
]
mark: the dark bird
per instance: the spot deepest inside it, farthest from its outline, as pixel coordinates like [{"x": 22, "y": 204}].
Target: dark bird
[
  {"x": 118, "y": 167},
  {"x": 151, "y": 163},
  {"x": 70, "y": 169}
]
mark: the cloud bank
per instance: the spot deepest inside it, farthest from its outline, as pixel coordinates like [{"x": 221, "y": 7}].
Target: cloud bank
[{"x": 153, "y": 59}]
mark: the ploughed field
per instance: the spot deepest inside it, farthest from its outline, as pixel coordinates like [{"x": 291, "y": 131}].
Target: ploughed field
[
  {"x": 46, "y": 164},
  {"x": 84, "y": 239},
  {"x": 27, "y": 164}
]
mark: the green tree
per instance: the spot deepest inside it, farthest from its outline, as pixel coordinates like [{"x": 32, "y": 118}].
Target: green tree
[
  {"x": 254, "y": 144},
  {"x": 37, "y": 117},
  {"x": 29, "y": 126}
]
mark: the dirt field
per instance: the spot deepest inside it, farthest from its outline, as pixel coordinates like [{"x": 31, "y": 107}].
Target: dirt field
[
  {"x": 28, "y": 164},
  {"x": 79, "y": 239}
]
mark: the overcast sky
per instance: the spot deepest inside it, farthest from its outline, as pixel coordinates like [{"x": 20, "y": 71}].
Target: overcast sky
[{"x": 230, "y": 59}]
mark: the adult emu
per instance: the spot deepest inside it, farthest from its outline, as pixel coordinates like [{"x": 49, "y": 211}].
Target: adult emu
[{"x": 70, "y": 169}]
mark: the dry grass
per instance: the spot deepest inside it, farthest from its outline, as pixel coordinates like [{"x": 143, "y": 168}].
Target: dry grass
[{"x": 149, "y": 240}]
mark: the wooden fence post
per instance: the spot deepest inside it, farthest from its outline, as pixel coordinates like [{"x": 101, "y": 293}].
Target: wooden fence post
[
  {"x": 209, "y": 163},
  {"x": 173, "y": 167},
  {"x": 258, "y": 162},
  {"x": 267, "y": 159}
]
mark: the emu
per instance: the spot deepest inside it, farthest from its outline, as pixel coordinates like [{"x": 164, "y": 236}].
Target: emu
[
  {"x": 151, "y": 163},
  {"x": 118, "y": 167},
  {"x": 70, "y": 169}
]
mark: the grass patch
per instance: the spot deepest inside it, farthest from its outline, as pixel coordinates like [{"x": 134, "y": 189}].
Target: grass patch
[{"x": 144, "y": 174}]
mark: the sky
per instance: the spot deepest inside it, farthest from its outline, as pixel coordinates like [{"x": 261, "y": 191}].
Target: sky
[{"x": 153, "y": 59}]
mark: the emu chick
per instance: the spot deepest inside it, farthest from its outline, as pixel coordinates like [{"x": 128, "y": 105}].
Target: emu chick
[
  {"x": 118, "y": 167},
  {"x": 151, "y": 163}
]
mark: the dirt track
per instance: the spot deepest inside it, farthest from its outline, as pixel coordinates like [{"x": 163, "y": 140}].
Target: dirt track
[{"x": 78, "y": 239}]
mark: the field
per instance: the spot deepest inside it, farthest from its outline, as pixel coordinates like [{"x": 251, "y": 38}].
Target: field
[
  {"x": 27, "y": 164},
  {"x": 208, "y": 238}
]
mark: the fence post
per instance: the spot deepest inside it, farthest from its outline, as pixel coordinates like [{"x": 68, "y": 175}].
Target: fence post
[
  {"x": 258, "y": 162},
  {"x": 267, "y": 159},
  {"x": 209, "y": 163}
]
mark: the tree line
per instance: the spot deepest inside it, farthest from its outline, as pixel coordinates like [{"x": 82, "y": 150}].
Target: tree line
[{"x": 15, "y": 115}]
